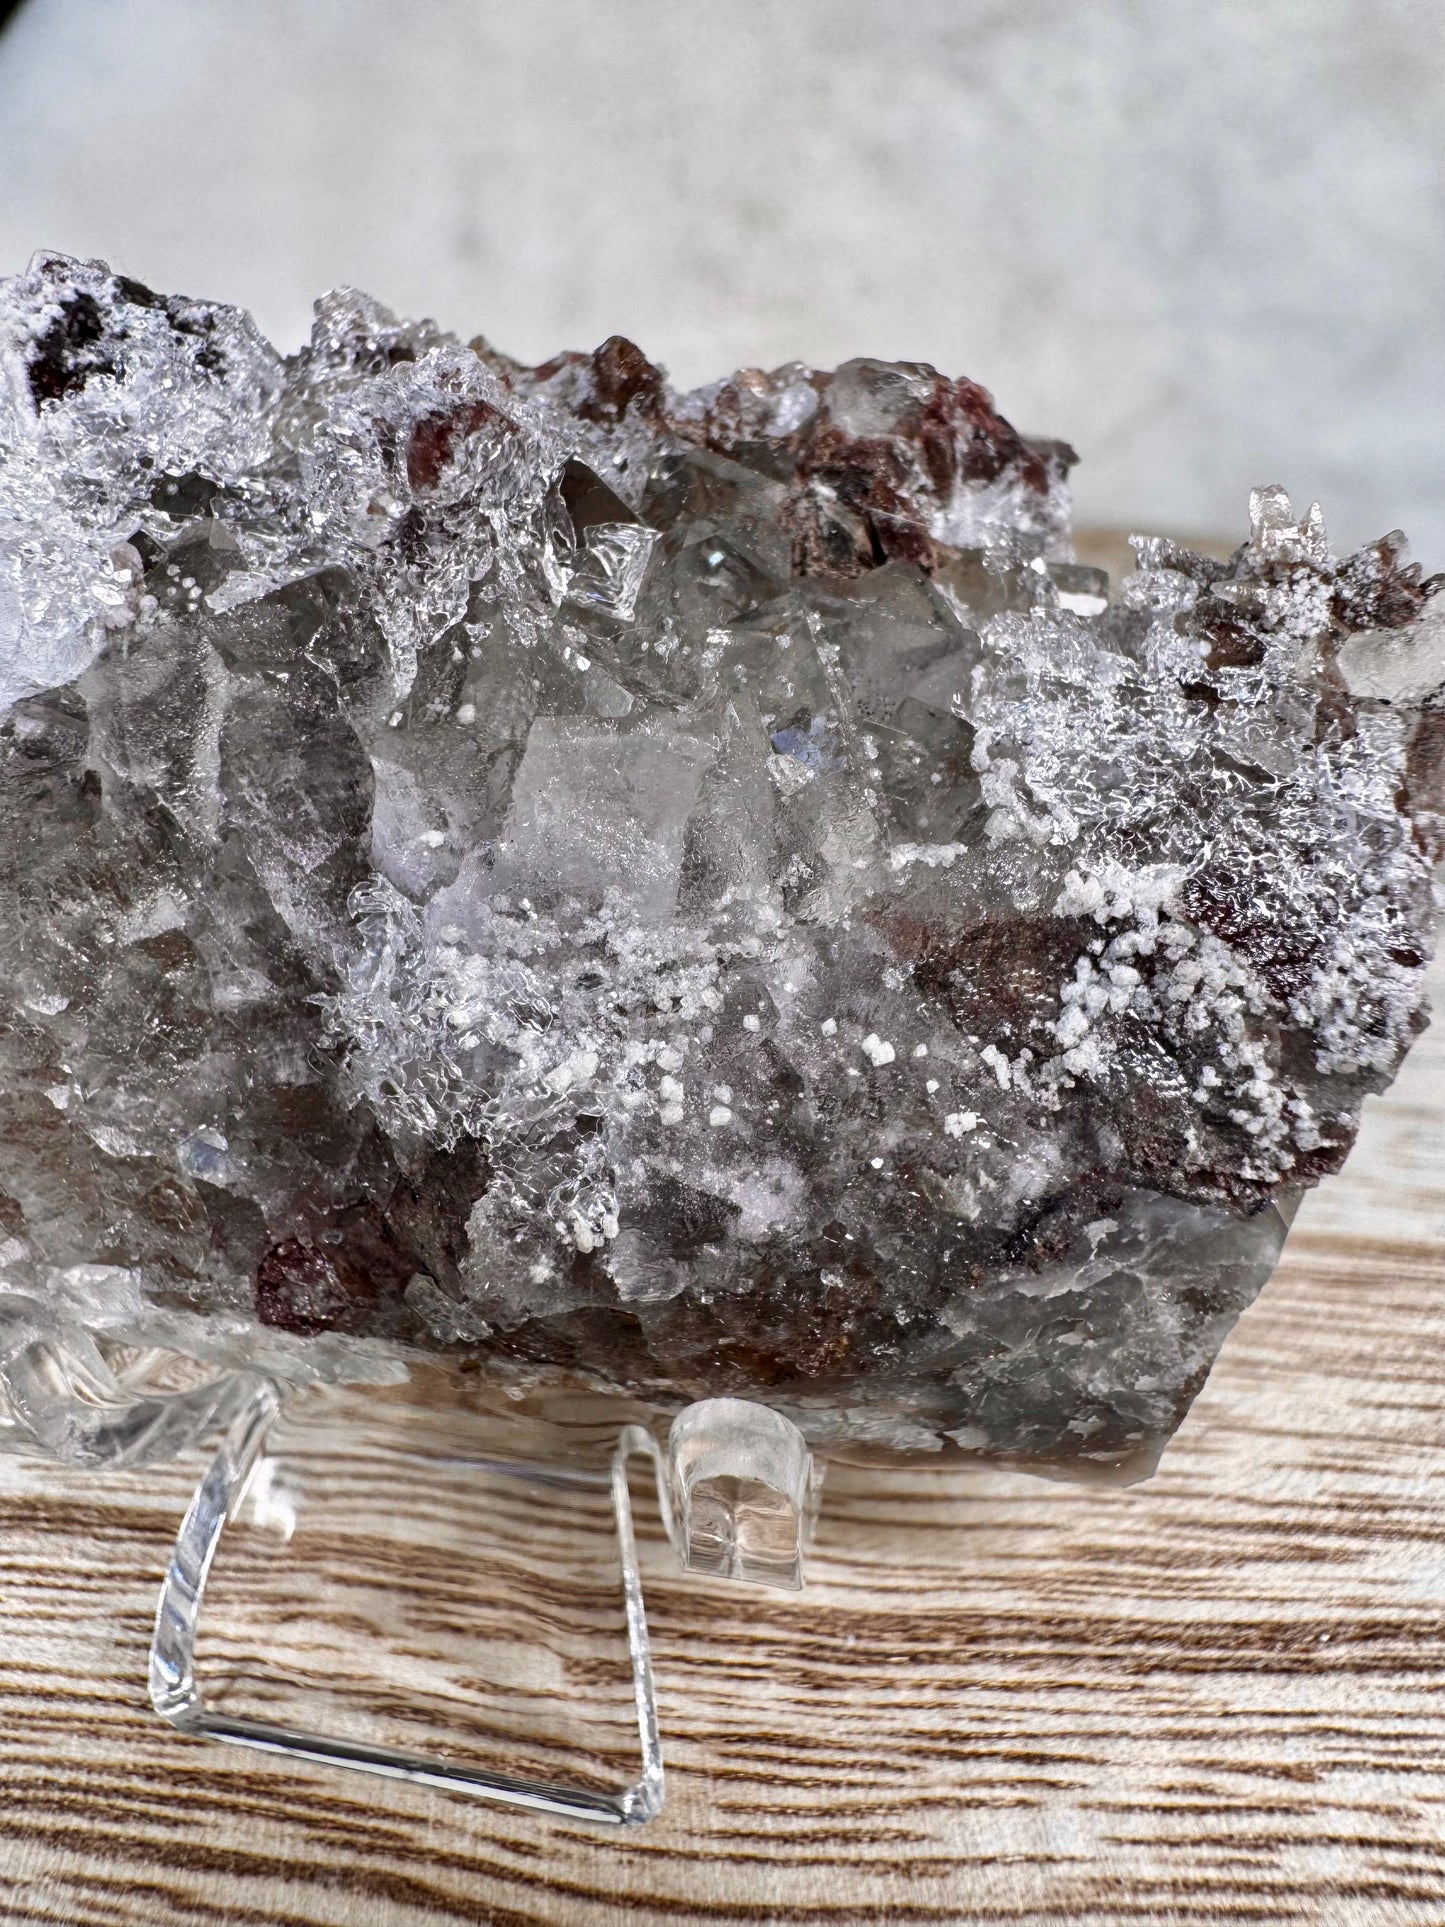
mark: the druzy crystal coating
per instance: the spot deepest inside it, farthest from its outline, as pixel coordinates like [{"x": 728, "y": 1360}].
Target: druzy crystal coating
[{"x": 693, "y": 893}]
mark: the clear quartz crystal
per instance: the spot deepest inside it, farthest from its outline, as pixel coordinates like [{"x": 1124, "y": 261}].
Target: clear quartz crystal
[{"x": 700, "y": 895}]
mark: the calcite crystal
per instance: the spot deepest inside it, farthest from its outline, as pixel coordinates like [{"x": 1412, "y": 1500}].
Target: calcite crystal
[{"x": 697, "y": 893}]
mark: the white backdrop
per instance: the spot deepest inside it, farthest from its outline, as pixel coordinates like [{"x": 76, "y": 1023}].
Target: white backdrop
[{"x": 1206, "y": 243}]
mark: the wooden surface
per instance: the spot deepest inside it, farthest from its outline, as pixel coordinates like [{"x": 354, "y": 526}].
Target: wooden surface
[{"x": 1215, "y": 1697}]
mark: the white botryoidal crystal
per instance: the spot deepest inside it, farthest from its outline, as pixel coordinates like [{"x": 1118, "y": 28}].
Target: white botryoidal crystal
[{"x": 699, "y": 892}]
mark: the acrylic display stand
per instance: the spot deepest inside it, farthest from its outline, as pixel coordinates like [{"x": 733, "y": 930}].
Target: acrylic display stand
[{"x": 736, "y": 1491}]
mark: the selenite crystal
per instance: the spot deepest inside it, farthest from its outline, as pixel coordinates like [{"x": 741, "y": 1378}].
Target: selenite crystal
[{"x": 696, "y": 893}]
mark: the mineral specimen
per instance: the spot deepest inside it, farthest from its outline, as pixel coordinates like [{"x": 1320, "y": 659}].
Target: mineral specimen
[{"x": 699, "y": 893}]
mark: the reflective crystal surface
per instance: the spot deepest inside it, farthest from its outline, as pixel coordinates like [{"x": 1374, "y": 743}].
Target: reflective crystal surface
[{"x": 697, "y": 893}]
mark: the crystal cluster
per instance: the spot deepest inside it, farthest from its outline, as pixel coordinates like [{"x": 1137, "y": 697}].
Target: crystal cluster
[{"x": 692, "y": 892}]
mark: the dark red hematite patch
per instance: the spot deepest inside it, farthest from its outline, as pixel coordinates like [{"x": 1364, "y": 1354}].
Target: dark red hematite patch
[{"x": 298, "y": 1289}]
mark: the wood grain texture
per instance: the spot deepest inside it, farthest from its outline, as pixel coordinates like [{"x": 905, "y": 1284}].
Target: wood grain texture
[{"x": 1214, "y": 1697}]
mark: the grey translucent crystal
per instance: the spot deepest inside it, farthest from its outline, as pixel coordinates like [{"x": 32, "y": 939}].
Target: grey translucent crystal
[{"x": 697, "y": 894}]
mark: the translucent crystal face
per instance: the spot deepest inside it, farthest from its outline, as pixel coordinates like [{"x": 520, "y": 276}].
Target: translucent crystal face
[{"x": 696, "y": 891}]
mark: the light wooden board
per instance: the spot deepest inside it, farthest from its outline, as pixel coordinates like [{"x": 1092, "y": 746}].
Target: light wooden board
[{"x": 1215, "y": 1697}]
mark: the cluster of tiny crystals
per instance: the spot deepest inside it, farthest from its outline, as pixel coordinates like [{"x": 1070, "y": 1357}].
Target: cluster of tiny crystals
[{"x": 683, "y": 893}]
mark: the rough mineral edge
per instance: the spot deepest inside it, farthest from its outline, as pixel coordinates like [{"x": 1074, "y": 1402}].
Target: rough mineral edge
[{"x": 699, "y": 893}]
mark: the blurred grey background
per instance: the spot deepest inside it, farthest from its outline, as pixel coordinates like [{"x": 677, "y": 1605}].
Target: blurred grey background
[{"x": 1205, "y": 243}]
